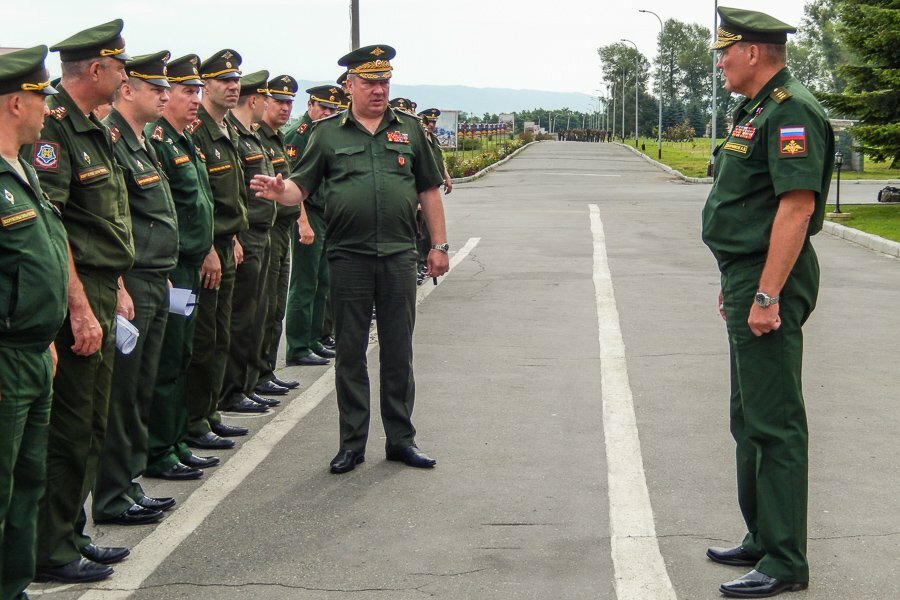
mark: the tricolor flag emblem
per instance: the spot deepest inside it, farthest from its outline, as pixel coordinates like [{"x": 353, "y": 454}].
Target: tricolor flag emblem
[{"x": 792, "y": 141}]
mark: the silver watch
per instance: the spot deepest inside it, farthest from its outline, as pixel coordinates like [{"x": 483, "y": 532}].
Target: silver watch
[
  {"x": 765, "y": 300},
  {"x": 445, "y": 247}
]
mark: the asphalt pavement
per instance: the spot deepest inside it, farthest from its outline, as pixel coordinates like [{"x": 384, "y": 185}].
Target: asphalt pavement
[{"x": 510, "y": 401}]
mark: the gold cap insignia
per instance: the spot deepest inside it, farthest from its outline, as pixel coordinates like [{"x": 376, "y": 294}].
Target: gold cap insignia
[
  {"x": 377, "y": 52},
  {"x": 194, "y": 61},
  {"x": 228, "y": 64},
  {"x": 227, "y": 55},
  {"x": 286, "y": 79}
]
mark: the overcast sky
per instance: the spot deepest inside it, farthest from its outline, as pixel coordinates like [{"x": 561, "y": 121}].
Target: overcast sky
[{"x": 480, "y": 43}]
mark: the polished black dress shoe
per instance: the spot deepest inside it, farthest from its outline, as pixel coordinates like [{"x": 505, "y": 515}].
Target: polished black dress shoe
[
  {"x": 328, "y": 342},
  {"x": 412, "y": 457},
  {"x": 735, "y": 557},
  {"x": 162, "y": 504},
  {"x": 245, "y": 405},
  {"x": 271, "y": 388},
  {"x": 346, "y": 460},
  {"x": 80, "y": 570},
  {"x": 323, "y": 352},
  {"x": 135, "y": 515},
  {"x": 200, "y": 462},
  {"x": 758, "y": 585},
  {"x": 270, "y": 402},
  {"x": 177, "y": 472},
  {"x": 104, "y": 555},
  {"x": 291, "y": 385},
  {"x": 208, "y": 441},
  {"x": 310, "y": 360},
  {"x": 223, "y": 430}
]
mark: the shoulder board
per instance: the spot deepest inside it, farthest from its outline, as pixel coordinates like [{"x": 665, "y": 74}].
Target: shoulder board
[
  {"x": 157, "y": 134},
  {"x": 193, "y": 126},
  {"x": 302, "y": 129},
  {"x": 115, "y": 134},
  {"x": 58, "y": 113},
  {"x": 779, "y": 95}
]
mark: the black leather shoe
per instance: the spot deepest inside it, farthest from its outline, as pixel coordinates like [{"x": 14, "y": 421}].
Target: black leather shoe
[
  {"x": 223, "y": 430},
  {"x": 291, "y": 385},
  {"x": 104, "y": 555},
  {"x": 208, "y": 441},
  {"x": 412, "y": 457},
  {"x": 310, "y": 360},
  {"x": 271, "y": 388},
  {"x": 346, "y": 460},
  {"x": 162, "y": 504},
  {"x": 270, "y": 402},
  {"x": 328, "y": 342},
  {"x": 200, "y": 462},
  {"x": 80, "y": 570},
  {"x": 758, "y": 585},
  {"x": 245, "y": 405},
  {"x": 135, "y": 515},
  {"x": 323, "y": 352},
  {"x": 177, "y": 472},
  {"x": 735, "y": 557}
]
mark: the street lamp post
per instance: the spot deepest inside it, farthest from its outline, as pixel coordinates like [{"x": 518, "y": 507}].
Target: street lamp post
[
  {"x": 838, "y": 163},
  {"x": 623, "y": 104},
  {"x": 712, "y": 134},
  {"x": 659, "y": 127},
  {"x": 637, "y": 55}
]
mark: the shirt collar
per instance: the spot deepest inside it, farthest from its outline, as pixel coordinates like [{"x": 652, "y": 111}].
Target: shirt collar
[
  {"x": 80, "y": 121},
  {"x": 116, "y": 119}
]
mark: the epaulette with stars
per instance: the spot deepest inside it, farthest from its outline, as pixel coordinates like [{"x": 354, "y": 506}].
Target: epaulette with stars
[
  {"x": 157, "y": 134},
  {"x": 193, "y": 126},
  {"x": 58, "y": 113},
  {"x": 780, "y": 94},
  {"x": 114, "y": 134}
]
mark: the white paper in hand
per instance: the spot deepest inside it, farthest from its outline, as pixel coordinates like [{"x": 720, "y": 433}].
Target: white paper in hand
[
  {"x": 126, "y": 335},
  {"x": 182, "y": 301}
]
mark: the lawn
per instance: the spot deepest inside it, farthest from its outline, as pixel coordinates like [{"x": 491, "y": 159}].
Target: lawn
[{"x": 882, "y": 220}]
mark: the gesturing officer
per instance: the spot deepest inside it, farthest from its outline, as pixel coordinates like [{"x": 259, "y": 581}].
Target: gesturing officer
[
  {"x": 772, "y": 175},
  {"x": 33, "y": 282}
]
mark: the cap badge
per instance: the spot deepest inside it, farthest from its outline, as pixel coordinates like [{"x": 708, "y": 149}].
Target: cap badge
[
  {"x": 193, "y": 61},
  {"x": 377, "y": 52},
  {"x": 286, "y": 79},
  {"x": 286, "y": 89},
  {"x": 226, "y": 55},
  {"x": 228, "y": 64}
]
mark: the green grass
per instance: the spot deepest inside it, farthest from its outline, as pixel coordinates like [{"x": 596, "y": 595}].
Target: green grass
[
  {"x": 691, "y": 158},
  {"x": 882, "y": 220}
]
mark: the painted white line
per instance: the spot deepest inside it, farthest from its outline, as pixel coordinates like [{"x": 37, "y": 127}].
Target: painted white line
[
  {"x": 574, "y": 174},
  {"x": 639, "y": 568},
  {"x": 150, "y": 553}
]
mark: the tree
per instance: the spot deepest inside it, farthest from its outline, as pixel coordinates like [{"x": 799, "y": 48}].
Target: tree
[{"x": 619, "y": 68}]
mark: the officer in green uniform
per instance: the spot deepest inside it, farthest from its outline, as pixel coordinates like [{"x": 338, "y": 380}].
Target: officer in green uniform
[
  {"x": 308, "y": 294},
  {"x": 74, "y": 161},
  {"x": 33, "y": 284},
  {"x": 283, "y": 90},
  {"x": 250, "y": 301},
  {"x": 429, "y": 122},
  {"x": 185, "y": 167},
  {"x": 376, "y": 166},
  {"x": 117, "y": 496},
  {"x": 216, "y": 139},
  {"x": 772, "y": 175}
]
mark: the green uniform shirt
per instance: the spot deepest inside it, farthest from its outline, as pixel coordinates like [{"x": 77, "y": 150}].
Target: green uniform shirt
[
  {"x": 153, "y": 220},
  {"x": 183, "y": 163},
  {"x": 74, "y": 161},
  {"x": 782, "y": 141},
  {"x": 34, "y": 263},
  {"x": 273, "y": 144},
  {"x": 436, "y": 150},
  {"x": 254, "y": 160},
  {"x": 226, "y": 176},
  {"x": 372, "y": 181},
  {"x": 295, "y": 139}
]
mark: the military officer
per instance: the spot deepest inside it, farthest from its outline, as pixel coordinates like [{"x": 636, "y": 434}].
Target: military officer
[
  {"x": 307, "y": 300},
  {"x": 216, "y": 139},
  {"x": 250, "y": 300},
  {"x": 772, "y": 176},
  {"x": 429, "y": 122},
  {"x": 75, "y": 163},
  {"x": 371, "y": 247},
  {"x": 185, "y": 167},
  {"x": 33, "y": 278},
  {"x": 117, "y": 496},
  {"x": 283, "y": 90}
]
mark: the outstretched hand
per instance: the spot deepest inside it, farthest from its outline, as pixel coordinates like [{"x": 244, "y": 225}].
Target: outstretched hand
[{"x": 265, "y": 186}]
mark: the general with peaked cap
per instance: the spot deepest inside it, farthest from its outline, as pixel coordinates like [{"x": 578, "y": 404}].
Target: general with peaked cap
[
  {"x": 772, "y": 176},
  {"x": 369, "y": 62},
  {"x": 79, "y": 173},
  {"x": 117, "y": 496},
  {"x": 185, "y": 168},
  {"x": 34, "y": 265}
]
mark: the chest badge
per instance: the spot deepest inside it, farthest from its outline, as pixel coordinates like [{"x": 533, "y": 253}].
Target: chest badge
[
  {"x": 217, "y": 153},
  {"x": 9, "y": 197},
  {"x": 398, "y": 137},
  {"x": 87, "y": 157},
  {"x": 744, "y": 132},
  {"x": 401, "y": 160},
  {"x": 140, "y": 165}
]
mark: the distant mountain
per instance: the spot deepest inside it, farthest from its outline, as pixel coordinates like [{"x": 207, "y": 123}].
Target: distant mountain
[{"x": 478, "y": 101}]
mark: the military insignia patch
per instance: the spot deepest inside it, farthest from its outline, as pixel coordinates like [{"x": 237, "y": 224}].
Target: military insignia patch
[
  {"x": 291, "y": 151},
  {"x": 86, "y": 157},
  {"x": 278, "y": 161},
  {"x": 219, "y": 168},
  {"x": 46, "y": 156},
  {"x": 286, "y": 79},
  {"x": 735, "y": 147},
  {"x": 19, "y": 217},
  {"x": 792, "y": 141},
  {"x": 58, "y": 113},
  {"x": 92, "y": 174},
  {"x": 249, "y": 159},
  {"x": 115, "y": 134},
  {"x": 193, "y": 126},
  {"x": 180, "y": 160},
  {"x": 147, "y": 180},
  {"x": 157, "y": 134},
  {"x": 377, "y": 52},
  {"x": 217, "y": 153},
  {"x": 9, "y": 196},
  {"x": 401, "y": 160},
  {"x": 398, "y": 137},
  {"x": 303, "y": 127}
]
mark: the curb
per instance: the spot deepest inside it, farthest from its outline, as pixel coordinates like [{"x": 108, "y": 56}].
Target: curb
[
  {"x": 866, "y": 240},
  {"x": 492, "y": 166}
]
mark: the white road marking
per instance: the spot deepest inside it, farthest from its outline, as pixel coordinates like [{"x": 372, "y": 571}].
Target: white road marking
[
  {"x": 574, "y": 174},
  {"x": 639, "y": 568},
  {"x": 150, "y": 553}
]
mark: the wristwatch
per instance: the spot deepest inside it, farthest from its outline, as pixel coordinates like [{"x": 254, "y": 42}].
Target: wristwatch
[
  {"x": 445, "y": 247},
  {"x": 765, "y": 300}
]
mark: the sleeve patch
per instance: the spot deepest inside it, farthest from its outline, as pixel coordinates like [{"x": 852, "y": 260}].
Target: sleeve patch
[
  {"x": 46, "y": 156},
  {"x": 792, "y": 142},
  {"x": 291, "y": 151}
]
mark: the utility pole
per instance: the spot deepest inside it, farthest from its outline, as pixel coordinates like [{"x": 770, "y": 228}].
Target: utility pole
[
  {"x": 354, "y": 24},
  {"x": 637, "y": 56},
  {"x": 659, "y": 127}
]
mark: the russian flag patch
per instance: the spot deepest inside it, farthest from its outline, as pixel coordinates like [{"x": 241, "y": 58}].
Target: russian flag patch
[{"x": 792, "y": 141}]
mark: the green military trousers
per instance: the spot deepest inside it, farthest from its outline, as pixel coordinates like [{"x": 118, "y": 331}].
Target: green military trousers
[
  {"x": 277, "y": 283},
  {"x": 249, "y": 307},
  {"x": 212, "y": 337},
  {"x": 768, "y": 416},
  {"x": 389, "y": 282},
  {"x": 308, "y": 289},
  {"x": 77, "y": 428},
  {"x": 167, "y": 425},
  {"x": 124, "y": 455},
  {"x": 25, "y": 400}
]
